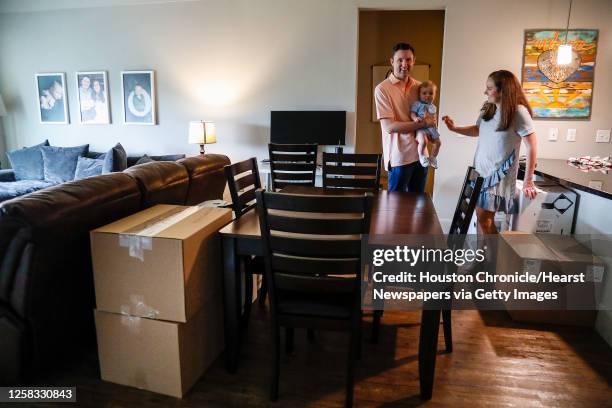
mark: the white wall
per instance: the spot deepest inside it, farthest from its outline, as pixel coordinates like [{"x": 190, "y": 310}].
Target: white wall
[{"x": 232, "y": 61}]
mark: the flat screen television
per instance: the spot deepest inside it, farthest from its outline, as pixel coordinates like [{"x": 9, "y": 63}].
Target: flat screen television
[{"x": 322, "y": 127}]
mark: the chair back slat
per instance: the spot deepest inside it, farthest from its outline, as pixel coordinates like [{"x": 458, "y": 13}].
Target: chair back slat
[
  {"x": 321, "y": 286},
  {"x": 466, "y": 204},
  {"x": 292, "y": 164},
  {"x": 350, "y": 183},
  {"x": 312, "y": 247},
  {"x": 352, "y": 158},
  {"x": 283, "y": 176},
  {"x": 294, "y": 148},
  {"x": 344, "y": 170},
  {"x": 280, "y": 166},
  {"x": 282, "y": 184},
  {"x": 242, "y": 188},
  {"x": 246, "y": 181},
  {"x": 317, "y": 204},
  {"x": 351, "y": 170},
  {"x": 244, "y": 199},
  {"x": 292, "y": 158},
  {"x": 313, "y": 243},
  {"x": 311, "y": 266},
  {"x": 315, "y": 225}
]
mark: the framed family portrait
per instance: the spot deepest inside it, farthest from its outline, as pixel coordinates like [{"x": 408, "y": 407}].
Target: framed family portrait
[
  {"x": 138, "y": 95},
  {"x": 94, "y": 103},
  {"x": 52, "y": 102}
]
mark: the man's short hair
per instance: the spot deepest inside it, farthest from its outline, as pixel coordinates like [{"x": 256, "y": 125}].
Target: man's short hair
[{"x": 402, "y": 47}]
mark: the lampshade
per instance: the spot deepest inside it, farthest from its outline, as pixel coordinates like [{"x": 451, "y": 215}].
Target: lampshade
[
  {"x": 202, "y": 132},
  {"x": 2, "y": 107},
  {"x": 564, "y": 54}
]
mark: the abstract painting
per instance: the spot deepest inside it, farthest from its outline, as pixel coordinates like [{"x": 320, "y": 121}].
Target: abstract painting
[{"x": 559, "y": 92}]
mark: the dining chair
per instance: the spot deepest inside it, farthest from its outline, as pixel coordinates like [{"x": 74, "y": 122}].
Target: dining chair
[
  {"x": 243, "y": 180},
  {"x": 312, "y": 248},
  {"x": 466, "y": 204},
  {"x": 292, "y": 164},
  {"x": 350, "y": 170}
]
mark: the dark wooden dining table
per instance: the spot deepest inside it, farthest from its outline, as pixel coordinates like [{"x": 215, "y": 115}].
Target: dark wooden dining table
[{"x": 393, "y": 213}]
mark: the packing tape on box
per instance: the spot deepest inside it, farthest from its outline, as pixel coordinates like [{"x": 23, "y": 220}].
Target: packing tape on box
[
  {"x": 138, "y": 308},
  {"x": 140, "y": 238},
  {"x": 136, "y": 245},
  {"x": 131, "y": 322}
]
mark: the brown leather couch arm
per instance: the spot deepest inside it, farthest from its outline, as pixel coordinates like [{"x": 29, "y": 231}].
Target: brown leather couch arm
[{"x": 207, "y": 178}]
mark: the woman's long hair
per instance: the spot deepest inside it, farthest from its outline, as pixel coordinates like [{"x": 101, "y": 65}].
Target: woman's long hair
[{"x": 512, "y": 96}]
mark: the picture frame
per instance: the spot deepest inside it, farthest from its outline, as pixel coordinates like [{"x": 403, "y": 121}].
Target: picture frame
[
  {"x": 52, "y": 98},
  {"x": 93, "y": 97},
  {"x": 567, "y": 98},
  {"x": 138, "y": 97}
]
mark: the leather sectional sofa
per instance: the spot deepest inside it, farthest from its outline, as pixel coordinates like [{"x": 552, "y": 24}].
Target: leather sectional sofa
[{"x": 46, "y": 285}]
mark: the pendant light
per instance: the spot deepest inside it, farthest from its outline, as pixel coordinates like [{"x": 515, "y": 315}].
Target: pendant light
[{"x": 564, "y": 52}]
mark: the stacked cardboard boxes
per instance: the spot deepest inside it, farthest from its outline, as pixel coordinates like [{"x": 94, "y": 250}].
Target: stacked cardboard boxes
[{"x": 159, "y": 313}]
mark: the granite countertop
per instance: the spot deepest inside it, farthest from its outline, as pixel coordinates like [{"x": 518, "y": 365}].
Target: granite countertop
[{"x": 566, "y": 175}]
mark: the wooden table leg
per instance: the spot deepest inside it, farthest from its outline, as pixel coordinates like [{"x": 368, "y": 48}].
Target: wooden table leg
[
  {"x": 232, "y": 303},
  {"x": 428, "y": 348}
]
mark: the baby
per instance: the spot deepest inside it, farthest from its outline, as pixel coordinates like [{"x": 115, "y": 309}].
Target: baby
[{"x": 419, "y": 110}]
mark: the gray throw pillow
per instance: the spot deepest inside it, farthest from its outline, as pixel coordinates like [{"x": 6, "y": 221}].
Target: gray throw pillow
[
  {"x": 87, "y": 167},
  {"x": 144, "y": 159},
  {"x": 115, "y": 159},
  {"x": 27, "y": 163},
  {"x": 60, "y": 162}
]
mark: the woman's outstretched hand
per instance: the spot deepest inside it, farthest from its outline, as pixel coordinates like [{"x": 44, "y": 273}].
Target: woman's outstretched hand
[
  {"x": 529, "y": 190},
  {"x": 450, "y": 124}
]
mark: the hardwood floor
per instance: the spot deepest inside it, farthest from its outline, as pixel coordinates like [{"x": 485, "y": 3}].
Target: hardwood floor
[{"x": 495, "y": 363}]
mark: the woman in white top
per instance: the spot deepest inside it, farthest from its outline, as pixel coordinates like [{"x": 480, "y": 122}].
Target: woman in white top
[{"x": 504, "y": 120}]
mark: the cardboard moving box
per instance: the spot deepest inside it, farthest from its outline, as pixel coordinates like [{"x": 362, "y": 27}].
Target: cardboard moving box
[
  {"x": 156, "y": 355},
  {"x": 162, "y": 263},
  {"x": 562, "y": 255}
]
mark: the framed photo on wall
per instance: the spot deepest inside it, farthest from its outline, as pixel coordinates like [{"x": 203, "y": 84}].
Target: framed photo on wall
[
  {"x": 52, "y": 102},
  {"x": 138, "y": 95},
  {"x": 94, "y": 102}
]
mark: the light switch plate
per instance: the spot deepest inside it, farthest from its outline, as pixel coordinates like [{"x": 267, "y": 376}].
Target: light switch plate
[
  {"x": 603, "y": 136},
  {"x": 571, "y": 135},
  {"x": 596, "y": 184},
  {"x": 553, "y": 134}
]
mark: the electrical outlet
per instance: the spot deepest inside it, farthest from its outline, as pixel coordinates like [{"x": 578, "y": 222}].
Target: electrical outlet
[
  {"x": 571, "y": 135},
  {"x": 553, "y": 134},
  {"x": 596, "y": 184},
  {"x": 603, "y": 136}
]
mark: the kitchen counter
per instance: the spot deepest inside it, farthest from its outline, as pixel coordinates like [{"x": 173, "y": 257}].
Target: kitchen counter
[{"x": 561, "y": 172}]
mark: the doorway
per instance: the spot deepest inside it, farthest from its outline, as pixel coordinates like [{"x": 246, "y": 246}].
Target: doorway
[{"x": 378, "y": 31}]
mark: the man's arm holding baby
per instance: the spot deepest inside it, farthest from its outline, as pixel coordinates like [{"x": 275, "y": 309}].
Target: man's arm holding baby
[{"x": 394, "y": 126}]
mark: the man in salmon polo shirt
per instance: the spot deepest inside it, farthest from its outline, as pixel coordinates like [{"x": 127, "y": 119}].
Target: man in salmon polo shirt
[{"x": 393, "y": 97}]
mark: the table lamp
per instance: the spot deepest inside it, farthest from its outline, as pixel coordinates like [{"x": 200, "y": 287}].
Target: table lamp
[{"x": 202, "y": 133}]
